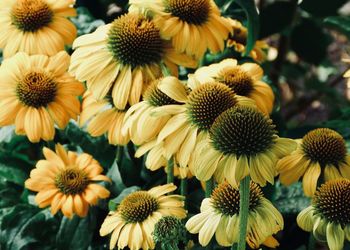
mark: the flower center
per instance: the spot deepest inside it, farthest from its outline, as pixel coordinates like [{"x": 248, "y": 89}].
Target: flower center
[
  {"x": 225, "y": 198},
  {"x": 169, "y": 229},
  {"x": 238, "y": 80},
  {"x": 325, "y": 146},
  {"x": 36, "y": 89},
  {"x": 207, "y": 102},
  {"x": 332, "y": 201},
  {"x": 134, "y": 40},
  {"x": 156, "y": 97},
  {"x": 190, "y": 11},
  {"x": 72, "y": 181},
  {"x": 242, "y": 131},
  {"x": 31, "y": 15},
  {"x": 239, "y": 35},
  {"x": 136, "y": 207}
]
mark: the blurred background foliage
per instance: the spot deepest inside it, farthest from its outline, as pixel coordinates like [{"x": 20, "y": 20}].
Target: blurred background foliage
[{"x": 308, "y": 40}]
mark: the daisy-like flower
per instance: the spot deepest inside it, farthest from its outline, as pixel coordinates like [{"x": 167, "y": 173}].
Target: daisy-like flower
[
  {"x": 36, "y": 93},
  {"x": 191, "y": 118},
  {"x": 102, "y": 117},
  {"x": 132, "y": 224},
  {"x": 244, "y": 80},
  {"x": 242, "y": 141},
  {"x": 238, "y": 39},
  {"x": 192, "y": 25},
  {"x": 321, "y": 152},
  {"x": 66, "y": 181},
  {"x": 219, "y": 216},
  {"x": 139, "y": 122},
  {"x": 36, "y": 26},
  {"x": 125, "y": 55},
  {"x": 328, "y": 217}
]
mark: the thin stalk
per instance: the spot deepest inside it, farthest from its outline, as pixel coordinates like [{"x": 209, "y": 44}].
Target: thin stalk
[
  {"x": 244, "y": 189},
  {"x": 119, "y": 154},
  {"x": 312, "y": 241},
  {"x": 170, "y": 171},
  {"x": 209, "y": 186},
  {"x": 183, "y": 189}
]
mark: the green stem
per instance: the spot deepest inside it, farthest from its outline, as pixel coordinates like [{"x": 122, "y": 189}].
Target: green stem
[
  {"x": 209, "y": 186},
  {"x": 244, "y": 189},
  {"x": 311, "y": 245},
  {"x": 234, "y": 247},
  {"x": 170, "y": 171},
  {"x": 119, "y": 154},
  {"x": 183, "y": 188}
]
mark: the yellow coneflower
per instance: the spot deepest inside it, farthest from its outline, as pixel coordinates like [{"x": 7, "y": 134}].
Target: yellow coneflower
[
  {"x": 191, "y": 118},
  {"x": 67, "y": 182},
  {"x": 219, "y": 216},
  {"x": 36, "y": 26},
  {"x": 139, "y": 122},
  {"x": 133, "y": 222},
  {"x": 328, "y": 217},
  {"x": 192, "y": 25},
  {"x": 244, "y": 80},
  {"x": 36, "y": 93},
  {"x": 125, "y": 56},
  {"x": 242, "y": 141},
  {"x": 102, "y": 117},
  {"x": 321, "y": 152},
  {"x": 238, "y": 39}
]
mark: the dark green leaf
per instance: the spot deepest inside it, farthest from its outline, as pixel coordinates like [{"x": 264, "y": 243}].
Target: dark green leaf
[
  {"x": 116, "y": 201},
  {"x": 322, "y": 8},
  {"x": 12, "y": 174},
  {"x": 339, "y": 23},
  {"x": 117, "y": 183},
  {"x": 130, "y": 168},
  {"x": 253, "y": 22},
  {"x": 85, "y": 22},
  {"x": 76, "y": 233}
]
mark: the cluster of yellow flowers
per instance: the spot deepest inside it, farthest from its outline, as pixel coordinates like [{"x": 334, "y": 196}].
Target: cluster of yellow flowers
[{"x": 213, "y": 125}]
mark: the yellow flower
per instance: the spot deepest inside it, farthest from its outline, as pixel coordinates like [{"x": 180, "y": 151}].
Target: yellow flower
[
  {"x": 37, "y": 92},
  {"x": 132, "y": 224},
  {"x": 103, "y": 117},
  {"x": 328, "y": 216},
  {"x": 191, "y": 118},
  {"x": 192, "y": 25},
  {"x": 321, "y": 151},
  {"x": 238, "y": 38},
  {"x": 122, "y": 57},
  {"x": 67, "y": 181},
  {"x": 36, "y": 26},
  {"x": 139, "y": 122},
  {"x": 242, "y": 141},
  {"x": 219, "y": 216},
  {"x": 244, "y": 80}
]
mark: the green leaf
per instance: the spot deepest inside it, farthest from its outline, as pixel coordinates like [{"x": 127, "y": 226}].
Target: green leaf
[
  {"x": 112, "y": 205},
  {"x": 117, "y": 182},
  {"x": 12, "y": 174},
  {"x": 85, "y": 22},
  {"x": 253, "y": 22},
  {"x": 322, "y": 8},
  {"x": 339, "y": 23},
  {"x": 76, "y": 233}
]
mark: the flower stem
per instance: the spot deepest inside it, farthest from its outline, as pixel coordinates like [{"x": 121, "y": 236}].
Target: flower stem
[
  {"x": 119, "y": 154},
  {"x": 244, "y": 189},
  {"x": 170, "y": 171},
  {"x": 311, "y": 245},
  {"x": 209, "y": 186},
  {"x": 183, "y": 189}
]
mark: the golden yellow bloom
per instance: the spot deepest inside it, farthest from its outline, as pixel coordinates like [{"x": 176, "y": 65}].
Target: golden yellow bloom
[
  {"x": 67, "y": 182},
  {"x": 321, "y": 151},
  {"x": 36, "y": 26},
  {"x": 133, "y": 222},
  {"x": 328, "y": 217},
  {"x": 244, "y": 80},
  {"x": 122, "y": 57},
  {"x": 36, "y": 93},
  {"x": 192, "y": 25},
  {"x": 102, "y": 117},
  {"x": 238, "y": 39},
  {"x": 242, "y": 141},
  {"x": 219, "y": 216},
  {"x": 191, "y": 118},
  {"x": 139, "y": 122}
]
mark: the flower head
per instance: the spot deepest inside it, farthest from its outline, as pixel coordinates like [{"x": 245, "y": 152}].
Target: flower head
[
  {"x": 219, "y": 216},
  {"x": 132, "y": 224},
  {"x": 321, "y": 152},
  {"x": 126, "y": 56},
  {"x": 328, "y": 217},
  {"x": 192, "y": 25},
  {"x": 37, "y": 92},
  {"x": 36, "y": 26},
  {"x": 242, "y": 141},
  {"x": 67, "y": 182}
]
